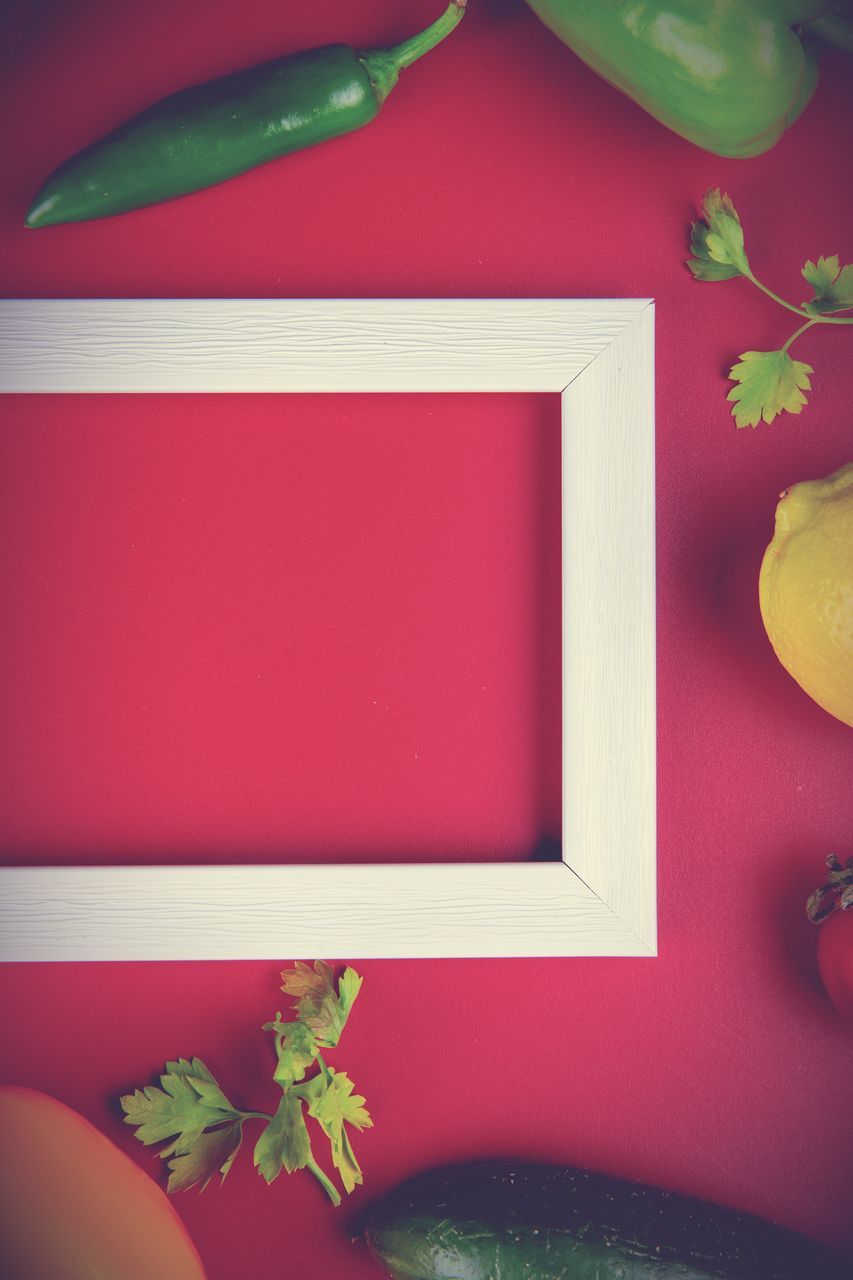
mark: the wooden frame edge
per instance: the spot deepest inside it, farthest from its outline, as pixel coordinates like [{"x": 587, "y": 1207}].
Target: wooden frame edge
[{"x": 595, "y": 353}]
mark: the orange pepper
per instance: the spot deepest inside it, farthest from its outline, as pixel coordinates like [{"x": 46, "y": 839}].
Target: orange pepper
[{"x": 72, "y": 1205}]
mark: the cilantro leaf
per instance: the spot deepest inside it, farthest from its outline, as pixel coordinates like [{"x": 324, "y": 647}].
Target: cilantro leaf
[
  {"x": 717, "y": 242},
  {"x": 284, "y": 1143},
  {"x": 770, "y": 382},
  {"x": 317, "y": 1004},
  {"x": 333, "y": 1104},
  {"x": 832, "y": 284},
  {"x": 211, "y": 1152}
]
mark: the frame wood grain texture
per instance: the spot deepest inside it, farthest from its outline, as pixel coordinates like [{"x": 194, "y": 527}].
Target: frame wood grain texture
[{"x": 600, "y": 900}]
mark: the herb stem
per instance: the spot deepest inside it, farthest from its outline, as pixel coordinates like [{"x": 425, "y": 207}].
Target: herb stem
[
  {"x": 331, "y": 1189},
  {"x": 798, "y": 311},
  {"x": 802, "y": 329},
  {"x": 789, "y": 306}
]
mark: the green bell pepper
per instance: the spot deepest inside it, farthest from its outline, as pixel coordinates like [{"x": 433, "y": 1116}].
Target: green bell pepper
[{"x": 729, "y": 75}]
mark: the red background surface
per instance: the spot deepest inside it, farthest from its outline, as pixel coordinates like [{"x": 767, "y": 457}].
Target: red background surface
[{"x": 255, "y": 628}]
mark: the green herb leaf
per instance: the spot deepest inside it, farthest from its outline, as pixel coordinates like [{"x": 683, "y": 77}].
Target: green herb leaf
[
  {"x": 297, "y": 1049},
  {"x": 832, "y": 284},
  {"x": 318, "y": 1006},
  {"x": 333, "y": 1104},
  {"x": 284, "y": 1143},
  {"x": 770, "y": 382},
  {"x": 717, "y": 242},
  {"x": 210, "y": 1152},
  {"x": 203, "y": 1131},
  {"x": 712, "y": 271},
  {"x": 821, "y": 274},
  {"x": 189, "y": 1102},
  {"x": 192, "y": 1110}
]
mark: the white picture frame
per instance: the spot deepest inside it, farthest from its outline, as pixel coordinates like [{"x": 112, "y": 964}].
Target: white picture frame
[{"x": 598, "y": 355}]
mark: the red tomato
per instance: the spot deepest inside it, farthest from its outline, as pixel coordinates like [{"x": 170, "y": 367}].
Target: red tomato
[
  {"x": 835, "y": 960},
  {"x": 73, "y": 1206}
]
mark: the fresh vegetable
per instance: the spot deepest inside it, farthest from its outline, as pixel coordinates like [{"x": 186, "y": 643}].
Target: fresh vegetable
[
  {"x": 212, "y": 131},
  {"x": 730, "y": 77},
  {"x": 831, "y": 906},
  {"x": 497, "y": 1220},
  {"x": 206, "y": 1130},
  {"x": 75, "y": 1207},
  {"x": 805, "y": 589},
  {"x": 769, "y": 382}
]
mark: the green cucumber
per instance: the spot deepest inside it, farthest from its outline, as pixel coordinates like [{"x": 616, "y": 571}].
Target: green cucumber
[{"x": 498, "y": 1220}]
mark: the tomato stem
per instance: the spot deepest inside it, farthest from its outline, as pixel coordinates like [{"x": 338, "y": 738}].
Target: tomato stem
[{"x": 836, "y": 892}]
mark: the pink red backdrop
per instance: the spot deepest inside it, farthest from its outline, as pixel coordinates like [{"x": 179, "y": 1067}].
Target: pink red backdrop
[{"x": 246, "y": 628}]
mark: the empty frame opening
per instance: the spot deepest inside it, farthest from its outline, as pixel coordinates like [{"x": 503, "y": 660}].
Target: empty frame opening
[{"x": 262, "y": 628}]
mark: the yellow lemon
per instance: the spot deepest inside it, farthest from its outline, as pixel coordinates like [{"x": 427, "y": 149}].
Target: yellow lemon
[{"x": 805, "y": 589}]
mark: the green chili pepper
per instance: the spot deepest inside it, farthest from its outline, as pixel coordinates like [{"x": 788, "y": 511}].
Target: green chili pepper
[
  {"x": 729, "y": 75},
  {"x": 213, "y": 131}
]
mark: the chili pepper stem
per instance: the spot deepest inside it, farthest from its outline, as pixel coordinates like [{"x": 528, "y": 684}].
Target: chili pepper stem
[
  {"x": 410, "y": 50},
  {"x": 384, "y": 65}
]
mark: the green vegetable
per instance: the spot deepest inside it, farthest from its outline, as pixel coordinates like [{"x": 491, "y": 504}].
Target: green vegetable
[
  {"x": 205, "y": 1130},
  {"x": 730, "y": 77},
  {"x": 212, "y": 131},
  {"x": 503, "y": 1221},
  {"x": 769, "y": 382}
]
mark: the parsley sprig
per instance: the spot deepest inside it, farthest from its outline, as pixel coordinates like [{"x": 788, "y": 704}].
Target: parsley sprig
[
  {"x": 768, "y": 382},
  {"x": 204, "y": 1131}
]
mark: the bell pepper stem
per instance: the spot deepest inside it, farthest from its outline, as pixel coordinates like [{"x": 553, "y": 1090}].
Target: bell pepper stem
[{"x": 832, "y": 29}]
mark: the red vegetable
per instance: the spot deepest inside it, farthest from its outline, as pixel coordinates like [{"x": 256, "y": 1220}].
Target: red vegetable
[
  {"x": 831, "y": 906},
  {"x": 835, "y": 961},
  {"x": 75, "y": 1207}
]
